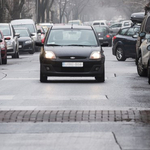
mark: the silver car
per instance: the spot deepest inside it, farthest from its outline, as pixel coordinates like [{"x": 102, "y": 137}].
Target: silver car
[
  {"x": 11, "y": 39},
  {"x": 143, "y": 64}
]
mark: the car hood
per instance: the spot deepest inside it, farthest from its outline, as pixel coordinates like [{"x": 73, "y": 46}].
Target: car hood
[
  {"x": 22, "y": 39},
  {"x": 72, "y": 50}
]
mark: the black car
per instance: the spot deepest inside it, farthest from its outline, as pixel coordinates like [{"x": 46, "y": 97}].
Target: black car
[
  {"x": 71, "y": 50},
  {"x": 26, "y": 42},
  {"x": 124, "y": 43},
  {"x": 104, "y": 35}
]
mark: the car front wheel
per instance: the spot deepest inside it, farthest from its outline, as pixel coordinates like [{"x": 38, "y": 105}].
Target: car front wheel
[
  {"x": 120, "y": 55},
  {"x": 43, "y": 78},
  {"x": 140, "y": 69},
  {"x": 102, "y": 77},
  {"x": 148, "y": 73}
]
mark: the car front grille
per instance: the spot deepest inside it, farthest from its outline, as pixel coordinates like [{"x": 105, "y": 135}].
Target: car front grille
[{"x": 72, "y": 57}]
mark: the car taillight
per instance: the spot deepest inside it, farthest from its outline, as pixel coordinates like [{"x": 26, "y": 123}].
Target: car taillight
[
  {"x": 108, "y": 36},
  {"x": 114, "y": 38},
  {"x": 42, "y": 41}
]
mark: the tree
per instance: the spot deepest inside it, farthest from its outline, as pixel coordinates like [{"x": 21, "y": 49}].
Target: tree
[
  {"x": 43, "y": 6},
  {"x": 14, "y": 8}
]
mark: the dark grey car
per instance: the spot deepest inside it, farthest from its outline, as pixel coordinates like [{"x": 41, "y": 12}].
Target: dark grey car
[{"x": 72, "y": 51}]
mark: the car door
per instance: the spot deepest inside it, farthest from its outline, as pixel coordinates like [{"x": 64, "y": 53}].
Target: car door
[
  {"x": 144, "y": 51},
  {"x": 115, "y": 28},
  {"x": 130, "y": 42}
]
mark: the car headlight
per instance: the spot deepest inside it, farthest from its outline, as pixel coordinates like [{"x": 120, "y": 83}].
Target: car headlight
[
  {"x": 28, "y": 42},
  {"x": 50, "y": 55},
  {"x": 9, "y": 43},
  {"x": 95, "y": 55}
]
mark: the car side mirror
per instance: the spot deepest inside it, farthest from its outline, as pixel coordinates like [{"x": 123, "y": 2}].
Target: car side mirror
[
  {"x": 135, "y": 36},
  {"x": 18, "y": 35},
  {"x": 142, "y": 34},
  {"x": 104, "y": 44},
  {"x": 38, "y": 31},
  {"x": 148, "y": 47},
  {"x": 31, "y": 34}
]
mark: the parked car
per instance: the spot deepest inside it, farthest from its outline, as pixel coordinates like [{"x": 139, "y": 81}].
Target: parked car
[
  {"x": 43, "y": 33},
  {"x": 120, "y": 25},
  {"x": 145, "y": 28},
  {"x": 103, "y": 34},
  {"x": 26, "y": 42},
  {"x": 76, "y": 22},
  {"x": 143, "y": 65},
  {"x": 100, "y": 22},
  {"x": 3, "y": 46},
  {"x": 30, "y": 24},
  {"x": 71, "y": 51},
  {"x": 0, "y": 55},
  {"x": 48, "y": 25},
  {"x": 124, "y": 43},
  {"x": 148, "y": 66},
  {"x": 11, "y": 39}
]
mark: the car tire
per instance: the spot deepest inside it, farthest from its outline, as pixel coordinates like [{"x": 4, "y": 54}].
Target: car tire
[
  {"x": 148, "y": 73},
  {"x": 32, "y": 52},
  {"x": 102, "y": 77},
  {"x": 4, "y": 61},
  {"x": 140, "y": 69},
  {"x": 16, "y": 55},
  {"x": 43, "y": 78},
  {"x": 120, "y": 55}
]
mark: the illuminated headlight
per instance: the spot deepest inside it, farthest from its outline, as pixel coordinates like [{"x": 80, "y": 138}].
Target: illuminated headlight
[
  {"x": 95, "y": 55},
  {"x": 28, "y": 42},
  {"x": 50, "y": 55}
]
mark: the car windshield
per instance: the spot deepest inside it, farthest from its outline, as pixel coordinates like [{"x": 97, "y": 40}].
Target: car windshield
[
  {"x": 23, "y": 33},
  {"x": 28, "y": 26},
  {"x": 69, "y": 37},
  {"x": 5, "y": 29},
  {"x": 101, "y": 29}
]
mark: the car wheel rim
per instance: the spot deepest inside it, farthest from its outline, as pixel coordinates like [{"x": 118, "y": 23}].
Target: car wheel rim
[
  {"x": 119, "y": 54},
  {"x": 140, "y": 68}
]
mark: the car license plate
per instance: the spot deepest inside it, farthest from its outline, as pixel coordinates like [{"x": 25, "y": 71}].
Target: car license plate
[
  {"x": 72, "y": 64},
  {"x": 100, "y": 38},
  {"x": 20, "y": 46}
]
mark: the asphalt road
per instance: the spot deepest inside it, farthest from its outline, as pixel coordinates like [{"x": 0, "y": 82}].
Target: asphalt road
[{"x": 32, "y": 114}]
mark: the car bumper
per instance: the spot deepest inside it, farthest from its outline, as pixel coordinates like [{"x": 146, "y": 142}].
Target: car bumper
[
  {"x": 105, "y": 41},
  {"x": 25, "y": 47},
  {"x": 90, "y": 68}
]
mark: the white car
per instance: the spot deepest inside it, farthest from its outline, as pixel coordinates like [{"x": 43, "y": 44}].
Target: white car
[
  {"x": 143, "y": 64},
  {"x": 120, "y": 25},
  {"x": 30, "y": 24},
  {"x": 100, "y": 22},
  {"x": 11, "y": 39}
]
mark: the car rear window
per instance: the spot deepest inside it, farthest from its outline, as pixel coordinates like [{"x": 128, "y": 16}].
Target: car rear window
[
  {"x": 23, "y": 33},
  {"x": 29, "y": 26},
  {"x": 123, "y": 31},
  {"x": 72, "y": 37}
]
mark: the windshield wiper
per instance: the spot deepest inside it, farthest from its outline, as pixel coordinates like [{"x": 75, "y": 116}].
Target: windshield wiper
[{"x": 53, "y": 45}]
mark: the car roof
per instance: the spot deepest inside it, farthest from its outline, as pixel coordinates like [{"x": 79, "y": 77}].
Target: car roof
[
  {"x": 4, "y": 23},
  {"x": 22, "y": 21},
  {"x": 71, "y": 27}
]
